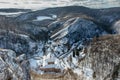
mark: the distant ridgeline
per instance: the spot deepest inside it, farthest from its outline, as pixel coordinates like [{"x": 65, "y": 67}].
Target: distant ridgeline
[{"x": 10, "y": 10}]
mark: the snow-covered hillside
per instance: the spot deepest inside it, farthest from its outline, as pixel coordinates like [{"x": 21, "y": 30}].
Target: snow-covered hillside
[{"x": 63, "y": 43}]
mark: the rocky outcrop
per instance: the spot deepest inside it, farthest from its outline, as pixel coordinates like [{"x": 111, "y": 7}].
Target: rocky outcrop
[
  {"x": 102, "y": 61},
  {"x": 12, "y": 67}
]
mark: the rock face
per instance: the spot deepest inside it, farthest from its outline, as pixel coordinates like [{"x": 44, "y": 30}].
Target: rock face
[
  {"x": 12, "y": 67},
  {"x": 102, "y": 61}
]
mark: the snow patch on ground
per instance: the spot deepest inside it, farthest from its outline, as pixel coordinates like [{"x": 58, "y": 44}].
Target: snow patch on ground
[
  {"x": 41, "y": 18},
  {"x": 63, "y": 32},
  {"x": 54, "y": 16},
  {"x": 33, "y": 63},
  {"x": 11, "y": 14},
  {"x": 56, "y": 56},
  {"x": 88, "y": 72},
  {"x": 77, "y": 71}
]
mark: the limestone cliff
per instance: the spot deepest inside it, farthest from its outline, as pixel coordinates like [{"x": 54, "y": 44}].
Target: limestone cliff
[{"x": 12, "y": 67}]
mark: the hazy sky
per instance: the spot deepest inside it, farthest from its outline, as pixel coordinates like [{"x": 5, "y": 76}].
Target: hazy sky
[{"x": 38, "y": 4}]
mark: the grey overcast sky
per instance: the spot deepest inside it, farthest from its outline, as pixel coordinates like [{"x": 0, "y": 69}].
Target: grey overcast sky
[{"x": 39, "y": 4}]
